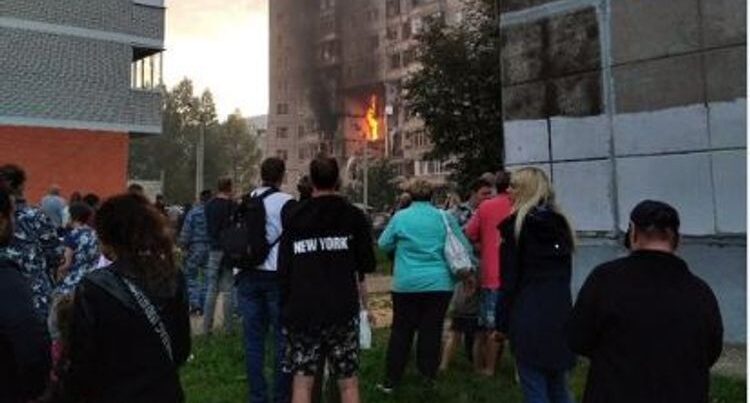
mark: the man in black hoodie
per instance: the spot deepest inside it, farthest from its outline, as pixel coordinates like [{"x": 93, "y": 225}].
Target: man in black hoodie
[
  {"x": 325, "y": 251},
  {"x": 651, "y": 328}
]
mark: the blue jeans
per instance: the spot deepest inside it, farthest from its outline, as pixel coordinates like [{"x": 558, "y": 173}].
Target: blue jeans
[
  {"x": 258, "y": 298},
  {"x": 542, "y": 385},
  {"x": 218, "y": 279},
  {"x": 196, "y": 260}
]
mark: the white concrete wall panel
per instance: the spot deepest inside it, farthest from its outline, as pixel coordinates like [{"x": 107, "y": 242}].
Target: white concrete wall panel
[
  {"x": 526, "y": 141},
  {"x": 579, "y": 138},
  {"x": 661, "y": 131},
  {"x": 728, "y": 123},
  {"x": 730, "y": 185},
  {"x": 683, "y": 181},
  {"x": 584, "y": 192}
]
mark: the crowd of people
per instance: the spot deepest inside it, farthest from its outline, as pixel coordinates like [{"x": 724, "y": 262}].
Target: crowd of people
[{"x": 96, "y": 307}]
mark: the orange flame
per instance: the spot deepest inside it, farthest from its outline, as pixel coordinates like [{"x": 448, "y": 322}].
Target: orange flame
[{"x": 371, "y": 117}]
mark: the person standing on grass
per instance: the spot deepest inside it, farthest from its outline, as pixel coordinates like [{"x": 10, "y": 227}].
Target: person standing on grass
[
  {"x": 218, "y": 213},
  {"x": 258, "y": 291},
  {"x": 482, "y": 229},
  {"x": 24, "y": 343},
  {"x": 465, "y": 304},
  {"x": 651, "y": 328},
  {"x": 326, "y": 251},
  {"x": 536, "y": 251},
  {"x": 196, "y": 246},
  {"x": 130, "y": 329},
  {"x": 422, "y": 284},
  {"x": 35, "y": 247}
]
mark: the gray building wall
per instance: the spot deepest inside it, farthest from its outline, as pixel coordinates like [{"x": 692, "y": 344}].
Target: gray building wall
[
  {"x": 69, "y": 64},
  {"x": 622, "y": 100}
]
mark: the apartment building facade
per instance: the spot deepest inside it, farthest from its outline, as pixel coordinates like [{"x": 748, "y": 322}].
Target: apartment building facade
[
  {"x": 334, "y": 60},
  {"x": 77, "y": 79}
]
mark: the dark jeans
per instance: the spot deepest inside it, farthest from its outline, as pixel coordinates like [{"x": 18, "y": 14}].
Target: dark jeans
[
  {"x": 422, "y": 313},
  {"x": 542, "y": 385},
  {"x": 258, "y": 298}
]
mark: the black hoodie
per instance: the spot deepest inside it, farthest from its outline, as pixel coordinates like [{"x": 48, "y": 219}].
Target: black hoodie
[{"x": 326, "y": 248}]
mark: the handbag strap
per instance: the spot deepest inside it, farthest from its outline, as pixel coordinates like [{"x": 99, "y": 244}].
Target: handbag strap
[
  {"x": 445, "y": 222},
  {"x": 152, "y": 315}
]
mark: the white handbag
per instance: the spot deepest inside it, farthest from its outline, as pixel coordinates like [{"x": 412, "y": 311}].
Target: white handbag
[
  {"x": 365, "y": 331},
  {"x": 455, "y": 253}
]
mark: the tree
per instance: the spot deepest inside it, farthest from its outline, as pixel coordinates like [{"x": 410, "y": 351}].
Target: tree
[
  {"x": 380, "y": 182},
  {"x": 457, "y": 92},
  {"x": 241, "y": 150}
]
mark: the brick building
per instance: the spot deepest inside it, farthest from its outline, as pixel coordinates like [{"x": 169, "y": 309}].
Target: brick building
[
  {"x": 77, "y": 79},
  {"x": 328, "y": 59},
  {"x": 621, "y": 100}
]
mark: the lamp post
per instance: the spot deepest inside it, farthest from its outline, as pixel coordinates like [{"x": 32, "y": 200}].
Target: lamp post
[{"x": 200, "y": 158}]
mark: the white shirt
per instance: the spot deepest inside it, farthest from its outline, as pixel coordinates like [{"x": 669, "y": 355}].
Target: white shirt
[{"x": 273, "y": 203}]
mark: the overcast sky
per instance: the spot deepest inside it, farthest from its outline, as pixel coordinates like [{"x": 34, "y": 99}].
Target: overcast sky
[{"x": 223, "y": 46}]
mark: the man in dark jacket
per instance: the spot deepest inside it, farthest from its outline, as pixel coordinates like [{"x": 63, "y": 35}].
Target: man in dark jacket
[
  {"x": 325, "y": 250},
  {"x": 218, "y": 277},
  {"x": 650, "y": 327},
  {"x": 24, "y": 343}
]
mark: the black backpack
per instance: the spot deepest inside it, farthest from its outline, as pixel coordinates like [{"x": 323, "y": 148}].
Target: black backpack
[{"x": 244, "y": 242}]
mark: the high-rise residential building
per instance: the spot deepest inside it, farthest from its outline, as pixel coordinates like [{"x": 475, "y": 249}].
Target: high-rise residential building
[
  {"x": 78, "y": 78},
  {"x": 337, "y": 69}
]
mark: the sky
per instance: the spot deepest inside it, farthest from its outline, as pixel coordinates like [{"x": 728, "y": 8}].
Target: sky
[{"x": 222, "y": 46}]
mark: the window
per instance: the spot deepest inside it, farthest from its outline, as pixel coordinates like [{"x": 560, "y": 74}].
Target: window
[
  {"x": 302, "y": 154},
  {"x": 301, "y": 131},
  {"x": 395, "y": 61},
  {"x": 328, "y": 51},
  {"x": 416, "y": 25},
  {"x": 391, "y": 33},
  {"x": 409, "y": 57},
  {"x": 392, "y": 8},
  {"x": 327, "y": 25},
  {"x": 145, "y": 72},
  {"x": 282, "y": 132},
  {"x": 406, "y": 30},
  {"x": 327, "y": 4},
  {"x": 374, "y": 42},
  {"x": 372, "y": 15},
  {"x": 282, "y": 109},
  {"x": 282, "y": 154}
]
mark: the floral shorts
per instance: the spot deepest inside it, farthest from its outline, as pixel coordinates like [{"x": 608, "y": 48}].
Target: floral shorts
[{"x": 307, "y": 350}]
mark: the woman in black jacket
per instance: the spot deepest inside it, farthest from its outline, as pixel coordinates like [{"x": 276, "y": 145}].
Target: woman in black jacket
[
  {"x": 24, "y": 343},
  {"x": 130, "y": 327},
  {"x": 537, "y": 244}
]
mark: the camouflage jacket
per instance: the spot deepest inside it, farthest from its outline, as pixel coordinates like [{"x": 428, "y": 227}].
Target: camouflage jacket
[
  {"x": 194, "y": 229},
  {"x": 37, "y": 250}
]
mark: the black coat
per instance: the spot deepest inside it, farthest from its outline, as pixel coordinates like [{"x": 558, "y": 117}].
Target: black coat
[
  {"x": 651, "y": 329},
  {"x": 535, "y": 282},
  {"x": 24, "y": 342},
  {"x": 115, "y": 353}
]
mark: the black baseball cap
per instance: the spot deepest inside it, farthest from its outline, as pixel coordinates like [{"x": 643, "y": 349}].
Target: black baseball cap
[{"x": 650, "y": 215}]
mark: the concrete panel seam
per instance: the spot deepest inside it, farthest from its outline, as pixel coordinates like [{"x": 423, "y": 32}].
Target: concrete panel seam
[
  {"x": 543, "y": 11},
  {"x": 55, "y": 29},
  {"x": 74, "y": 124},
  {"x": 679, "y": 54},
  {"x": 682, "y": 152},
  {"x": 604, "y": 15}
]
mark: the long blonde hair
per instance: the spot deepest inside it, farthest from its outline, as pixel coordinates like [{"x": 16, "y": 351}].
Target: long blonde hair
[{"x": 531, "y": 188}]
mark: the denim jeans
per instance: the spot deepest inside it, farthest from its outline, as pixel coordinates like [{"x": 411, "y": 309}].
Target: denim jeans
[
  {"x": 258, "y": 298},
  {"x": 195, "y": 262},
  {"x": 542, "y": 385},
  {"x": 218, "y": 279}
]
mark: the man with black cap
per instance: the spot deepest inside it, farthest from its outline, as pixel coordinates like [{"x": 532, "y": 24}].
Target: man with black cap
[{"x": 651, "y": 328}]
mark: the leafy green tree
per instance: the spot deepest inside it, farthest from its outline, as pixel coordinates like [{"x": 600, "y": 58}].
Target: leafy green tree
[
  {"x": 241, "y": 150},
  {"x": 457, "y": 92},
  {"x": 380, "y": 182}
]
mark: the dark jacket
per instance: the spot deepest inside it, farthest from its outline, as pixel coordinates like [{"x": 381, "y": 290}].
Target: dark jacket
[
  {"x": 536, "y": 286},
  {"x": 115, "y": 353},
  {"x": 218, "y": 217},
  {"x": 651, "y": 329},
  {"x": 325, "y": 249},
  {"x": 24, "y": 343}
]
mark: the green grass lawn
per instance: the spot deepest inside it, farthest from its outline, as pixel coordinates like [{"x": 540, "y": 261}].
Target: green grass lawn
[{"x": 217, "y": 375}]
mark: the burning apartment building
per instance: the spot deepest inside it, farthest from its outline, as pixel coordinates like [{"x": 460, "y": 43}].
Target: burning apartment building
[{"x": 337, "y": 69}]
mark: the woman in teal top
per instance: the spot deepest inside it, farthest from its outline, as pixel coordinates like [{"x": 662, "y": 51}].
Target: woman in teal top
[{"x": 422, "y": 283}]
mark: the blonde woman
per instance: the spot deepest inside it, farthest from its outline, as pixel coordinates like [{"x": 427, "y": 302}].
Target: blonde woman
[{"x": 537, "y": 246}]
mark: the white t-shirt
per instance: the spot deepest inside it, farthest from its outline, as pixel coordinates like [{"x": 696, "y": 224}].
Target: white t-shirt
[{"x": 273, "y": 203}]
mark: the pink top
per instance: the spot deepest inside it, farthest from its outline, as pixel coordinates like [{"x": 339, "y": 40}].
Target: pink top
[{"x": 482, "y": 228}]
